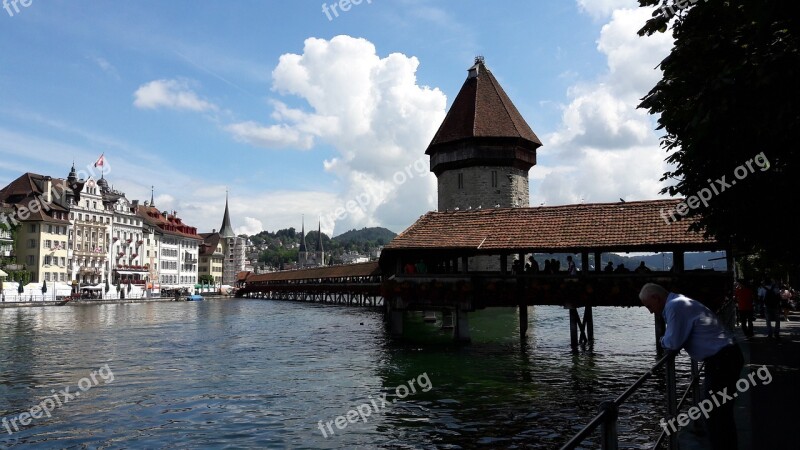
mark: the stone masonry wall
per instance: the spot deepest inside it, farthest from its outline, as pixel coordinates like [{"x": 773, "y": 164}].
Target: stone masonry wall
[{"x": 511, "y": 190}]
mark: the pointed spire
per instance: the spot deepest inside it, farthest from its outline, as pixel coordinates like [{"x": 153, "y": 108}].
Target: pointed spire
[
  {"x": 303, "y": 236},
  {"x": 226, "y": 231},
  {"x": 319, "y": 238},
  {"x": 152, "y": 196}
]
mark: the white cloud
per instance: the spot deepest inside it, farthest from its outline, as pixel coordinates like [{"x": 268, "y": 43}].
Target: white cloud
[
  {"x": 272, "y": 136},
  {"x": 172, "y": 94},
  {"x": 251, "y": 226},
  {"x": 371, "y": 110},
  {"x": 606, "y": 148},
  {"x": 603, "y": 8}
]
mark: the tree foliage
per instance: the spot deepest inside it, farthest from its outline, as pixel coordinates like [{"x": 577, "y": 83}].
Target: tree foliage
[{"x": 729, "y": 92}]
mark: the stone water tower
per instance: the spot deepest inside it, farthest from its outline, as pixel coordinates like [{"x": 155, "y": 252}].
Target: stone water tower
[{"x": 483, "y": 150}]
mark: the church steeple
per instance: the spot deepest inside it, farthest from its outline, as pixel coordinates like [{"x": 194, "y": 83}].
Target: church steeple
[
  {"x": 226, "y": 231},
  {"x": 319, "y": 238},
  {"x": 303, "y": 247},
  {"x": 152, "y": 193}
]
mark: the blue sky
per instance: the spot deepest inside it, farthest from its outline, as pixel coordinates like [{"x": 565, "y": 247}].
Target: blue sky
[{"x": 296, "y": 114}]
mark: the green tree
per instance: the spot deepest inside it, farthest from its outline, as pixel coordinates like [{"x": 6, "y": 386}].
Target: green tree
[{"x": 729, "y": 93}]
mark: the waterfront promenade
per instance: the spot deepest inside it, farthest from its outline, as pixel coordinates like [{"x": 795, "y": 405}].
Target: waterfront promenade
[{"x": 766, "y": 415}]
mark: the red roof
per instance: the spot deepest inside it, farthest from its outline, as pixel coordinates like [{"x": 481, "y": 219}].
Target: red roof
[
  {"x": 169, "y": 224},
  {"x": 482, "y": 109},
  {"x": 628, "y": 226}
]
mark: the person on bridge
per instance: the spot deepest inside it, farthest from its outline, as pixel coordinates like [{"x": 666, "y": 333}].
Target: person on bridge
[
  {"x": 571, "y": 269},
  {"x": 693, "y": 327}
]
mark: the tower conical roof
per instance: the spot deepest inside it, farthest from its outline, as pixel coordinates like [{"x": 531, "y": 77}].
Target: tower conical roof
[
  {"x": 482, "y": 110},
  {"x": 226, "y": 231}
]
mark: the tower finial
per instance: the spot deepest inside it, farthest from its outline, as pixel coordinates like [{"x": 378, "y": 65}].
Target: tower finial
[{"x": 480, "y": 59}]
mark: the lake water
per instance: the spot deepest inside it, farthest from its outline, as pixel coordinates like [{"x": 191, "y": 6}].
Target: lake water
[{"x": 263, "y": 374}]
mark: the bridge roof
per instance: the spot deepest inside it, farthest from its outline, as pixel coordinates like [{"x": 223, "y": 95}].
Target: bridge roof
[
  {"x": 341, "y": 271},
  {"x": 622, "y": 226}
]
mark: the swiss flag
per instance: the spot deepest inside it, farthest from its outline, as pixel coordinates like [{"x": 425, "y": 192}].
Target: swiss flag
[{"x": 101, "y": 161}]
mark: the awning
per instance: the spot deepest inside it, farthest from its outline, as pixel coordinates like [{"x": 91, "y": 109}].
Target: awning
[
  {"x": 92, "y": 288},
  {"x": 130, "y": 272}
]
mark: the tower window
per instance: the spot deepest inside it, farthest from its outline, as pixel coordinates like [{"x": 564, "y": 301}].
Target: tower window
[
  {"x": 461, "y": 181},
  {"x": 494, "y": 178}
]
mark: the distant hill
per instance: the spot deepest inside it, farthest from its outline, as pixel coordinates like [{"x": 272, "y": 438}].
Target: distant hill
[{"x": 374, "y": 235}]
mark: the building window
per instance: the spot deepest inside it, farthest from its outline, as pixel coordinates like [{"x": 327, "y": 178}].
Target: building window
[
  {"x": 461, "y": 181},
  {"x": 30, "y": 260},
  {"x": 33, "y": 228},
  {"x": 32, "y": 243},
  {"x": 494, "y": 178}
]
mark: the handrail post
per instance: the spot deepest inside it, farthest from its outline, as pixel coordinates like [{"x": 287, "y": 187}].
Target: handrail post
[
  {"x": 696, "y": 393},
  {"x": 609, "y": 426},
  {"x": 672, "y": 399}
]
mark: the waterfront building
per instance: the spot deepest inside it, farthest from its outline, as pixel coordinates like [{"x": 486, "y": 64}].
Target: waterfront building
[
  {"x": 128, "y": 245},
  {"x": 178, "y": 248},
  {"x": 212, "y": 256},
  {"x": 152, "y": 236},
  {"x": 36, "y": 207},
  {"x": 91, "y": 204},
  {"x": 6, "y": 235}
]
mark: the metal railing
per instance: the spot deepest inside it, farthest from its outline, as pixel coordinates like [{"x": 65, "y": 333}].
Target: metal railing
[
  {"x": 609, "y": 410},
  {"x": 608, "y": 414}
]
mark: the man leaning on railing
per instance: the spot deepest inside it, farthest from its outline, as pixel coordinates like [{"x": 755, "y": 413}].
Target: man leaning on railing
[{"x": 693, "y": 327}]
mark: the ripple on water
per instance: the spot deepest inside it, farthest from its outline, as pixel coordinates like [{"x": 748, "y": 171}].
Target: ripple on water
[{"x": 260, "y": 374}]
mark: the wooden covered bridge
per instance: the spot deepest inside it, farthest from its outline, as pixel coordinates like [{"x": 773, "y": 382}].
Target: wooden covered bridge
[
  {"x": 351, "y": 284},
  {"x": 451, "y": 245}
]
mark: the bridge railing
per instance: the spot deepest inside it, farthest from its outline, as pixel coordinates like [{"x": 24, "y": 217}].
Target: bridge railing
[
  {"x": 609, "y": 410},
  {"x": 608, "y": 414}
]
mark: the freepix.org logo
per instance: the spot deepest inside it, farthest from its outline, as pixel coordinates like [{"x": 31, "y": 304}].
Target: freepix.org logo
[
  {"x": 56, "y": 400},
  {"x": 716, "y": 187},
  {"x": 12, "y": 6}
]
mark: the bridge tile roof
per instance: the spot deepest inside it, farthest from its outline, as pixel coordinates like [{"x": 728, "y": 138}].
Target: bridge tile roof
[
  {"x": 345, "y": 270},
  {"x": 621, "y": 226}
]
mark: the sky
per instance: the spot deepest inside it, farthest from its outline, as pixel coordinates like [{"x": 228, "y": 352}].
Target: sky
[{"x": 307, "y": 111}]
